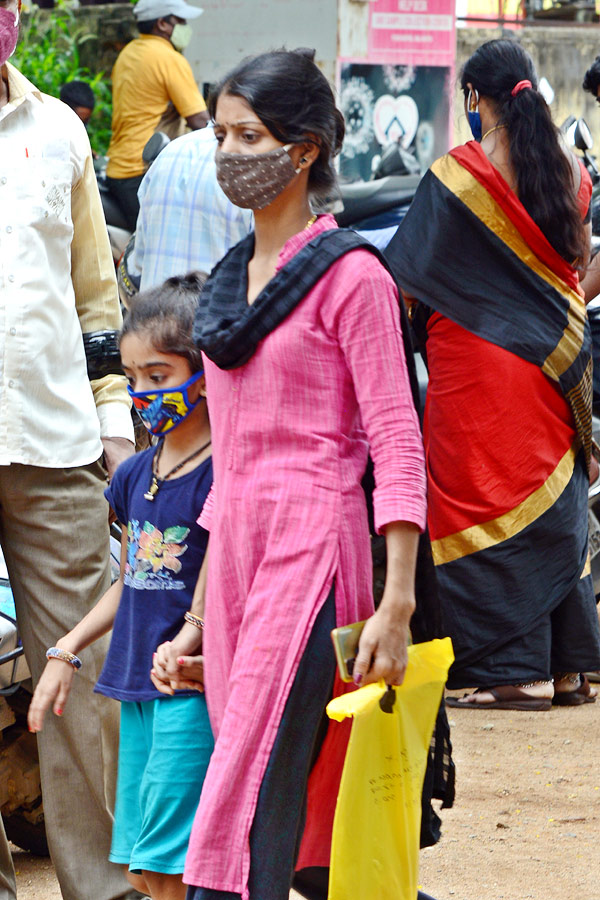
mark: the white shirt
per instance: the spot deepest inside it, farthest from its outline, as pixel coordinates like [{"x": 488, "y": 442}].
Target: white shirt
[
  {"x": 185, "y": 222},
  {"x": 57, "y": 282}
]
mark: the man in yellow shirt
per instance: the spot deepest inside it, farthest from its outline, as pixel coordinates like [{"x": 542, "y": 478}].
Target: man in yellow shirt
[{"x": 150, "y": 73}]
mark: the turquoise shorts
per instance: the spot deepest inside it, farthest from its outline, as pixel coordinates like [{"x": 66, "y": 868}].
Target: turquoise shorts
[{"x": 165, "y": 746}]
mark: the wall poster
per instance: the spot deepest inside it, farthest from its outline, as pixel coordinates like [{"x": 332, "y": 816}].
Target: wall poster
[
  {"x": 402, "y": 91},
  {"x": 383, "y": 104}
]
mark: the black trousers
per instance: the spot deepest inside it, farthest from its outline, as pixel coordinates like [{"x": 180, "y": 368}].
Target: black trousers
[{"x": 124, "y": 190}]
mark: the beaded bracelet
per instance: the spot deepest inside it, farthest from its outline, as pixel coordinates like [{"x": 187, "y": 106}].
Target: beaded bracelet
[
  {"x": 194, "y": 620},
  {"x": 64, "y": 655}
]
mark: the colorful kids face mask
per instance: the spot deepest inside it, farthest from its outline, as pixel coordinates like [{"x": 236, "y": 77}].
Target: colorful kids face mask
[{"x": 163, "y": 410}]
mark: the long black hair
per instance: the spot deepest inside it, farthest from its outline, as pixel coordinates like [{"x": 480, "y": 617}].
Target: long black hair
[
  {"x": 545, "y": 181},
  {"x": 294, "y": 100}
]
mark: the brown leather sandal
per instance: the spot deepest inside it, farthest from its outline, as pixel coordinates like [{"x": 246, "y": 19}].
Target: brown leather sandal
[
  {"x": 577, "y": 697},
  {"x": 507, "y": 696}
]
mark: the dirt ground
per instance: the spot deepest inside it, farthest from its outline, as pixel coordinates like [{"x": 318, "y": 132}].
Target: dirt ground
[{"x": 525, "y": 825}]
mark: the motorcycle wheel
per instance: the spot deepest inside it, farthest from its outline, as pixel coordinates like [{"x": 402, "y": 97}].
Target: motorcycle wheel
[{"x": 25, "y": 834}]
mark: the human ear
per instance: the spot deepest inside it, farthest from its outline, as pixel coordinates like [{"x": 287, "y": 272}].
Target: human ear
[
  {"x": 162, "y": 26},
  {"x": 309, "y": 151},
  {"x": 200, "y": 388}
]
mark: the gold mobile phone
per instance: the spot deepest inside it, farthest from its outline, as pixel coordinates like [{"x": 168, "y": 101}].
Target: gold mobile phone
[{"x": 345, "y": 643}]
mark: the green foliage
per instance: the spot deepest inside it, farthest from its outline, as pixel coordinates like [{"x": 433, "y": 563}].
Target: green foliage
[{"x": 49, "y": 54}]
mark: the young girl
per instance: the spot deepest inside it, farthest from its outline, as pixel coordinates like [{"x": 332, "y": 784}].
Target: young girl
[{"x": 165, "y": 742}]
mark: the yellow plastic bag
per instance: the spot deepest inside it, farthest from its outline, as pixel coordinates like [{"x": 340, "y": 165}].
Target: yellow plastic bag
[{"x": 375, "y": 842}]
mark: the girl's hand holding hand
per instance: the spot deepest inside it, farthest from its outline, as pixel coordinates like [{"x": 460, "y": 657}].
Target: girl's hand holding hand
[
  {"x": 52, "y": 690},
  {"x": 170, "y": 673},
  {"x": 165, "y": 667}
]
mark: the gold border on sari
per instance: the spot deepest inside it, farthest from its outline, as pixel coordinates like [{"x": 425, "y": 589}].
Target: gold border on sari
[
  {"x": 476, "y": 198},
  {"x": 481, "y": 537}
]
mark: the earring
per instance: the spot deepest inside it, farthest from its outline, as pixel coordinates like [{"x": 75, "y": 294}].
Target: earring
[{"x": 473, "y": 114}]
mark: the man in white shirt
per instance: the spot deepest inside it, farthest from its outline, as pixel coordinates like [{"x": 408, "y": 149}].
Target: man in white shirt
[{"x": 56, "y": 284}]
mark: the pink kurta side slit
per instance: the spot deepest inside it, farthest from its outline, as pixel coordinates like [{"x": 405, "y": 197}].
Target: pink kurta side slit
[{"x": 291, "y": 433}]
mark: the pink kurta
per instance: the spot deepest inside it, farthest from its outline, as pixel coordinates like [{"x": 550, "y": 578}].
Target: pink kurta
[{"x": 291, "y": 432}]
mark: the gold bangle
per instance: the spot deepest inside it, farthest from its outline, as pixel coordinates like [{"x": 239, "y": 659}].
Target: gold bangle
[{"x": 194, "y": 620}]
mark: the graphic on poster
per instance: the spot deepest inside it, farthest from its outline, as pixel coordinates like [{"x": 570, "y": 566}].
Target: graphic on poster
[{"x": 383, "y": 104}]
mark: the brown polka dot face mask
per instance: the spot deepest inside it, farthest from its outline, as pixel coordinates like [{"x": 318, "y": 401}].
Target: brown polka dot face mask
[{"x": 253, "y": 180}]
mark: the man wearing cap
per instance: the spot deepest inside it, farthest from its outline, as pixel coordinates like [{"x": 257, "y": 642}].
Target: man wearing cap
[
  {"x": 150, "y": 74},
  {"x": 57, "y": 283}
]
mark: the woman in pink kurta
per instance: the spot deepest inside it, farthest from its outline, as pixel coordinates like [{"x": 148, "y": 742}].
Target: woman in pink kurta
[{"x": 293, "y": 419}]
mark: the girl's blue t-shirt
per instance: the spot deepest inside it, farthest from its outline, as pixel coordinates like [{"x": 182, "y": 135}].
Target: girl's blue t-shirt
[{"x": 165, "y": 549}]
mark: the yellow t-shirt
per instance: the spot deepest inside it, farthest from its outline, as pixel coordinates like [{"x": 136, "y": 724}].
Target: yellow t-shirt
[{"x": 148, "y": 73}]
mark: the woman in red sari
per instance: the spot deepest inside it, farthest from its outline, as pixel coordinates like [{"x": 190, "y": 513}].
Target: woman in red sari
[{"x": 492, "y": 247}]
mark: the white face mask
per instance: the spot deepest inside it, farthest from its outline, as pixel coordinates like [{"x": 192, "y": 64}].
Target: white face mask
[{"x": 181, "y": 36}]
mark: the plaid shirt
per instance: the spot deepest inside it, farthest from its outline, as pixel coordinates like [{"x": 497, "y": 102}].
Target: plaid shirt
[{"x": 186, "y": 222}]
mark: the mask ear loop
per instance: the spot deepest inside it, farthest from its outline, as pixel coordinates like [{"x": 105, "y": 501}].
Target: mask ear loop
[{"x": 473, "y": 96}]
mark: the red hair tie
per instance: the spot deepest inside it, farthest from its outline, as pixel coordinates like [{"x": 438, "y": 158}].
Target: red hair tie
[{"x": 520, "y": 86}]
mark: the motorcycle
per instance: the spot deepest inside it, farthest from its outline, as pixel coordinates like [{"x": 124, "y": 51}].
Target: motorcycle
[
  {"x": 579, "y": 136},
  {"x": 376, "y": 208}
]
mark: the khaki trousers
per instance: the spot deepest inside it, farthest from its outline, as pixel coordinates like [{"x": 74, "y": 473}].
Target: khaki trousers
[{"x": 54, "y": 535}]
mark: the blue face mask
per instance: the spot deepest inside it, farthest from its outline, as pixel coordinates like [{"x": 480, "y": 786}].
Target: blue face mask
[
  {"x": 473, "y": 115},
  {"x": 163, "y": 410}
]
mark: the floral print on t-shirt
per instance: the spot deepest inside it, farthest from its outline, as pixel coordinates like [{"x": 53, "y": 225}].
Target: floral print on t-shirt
[{"x": 152, "y": 555}]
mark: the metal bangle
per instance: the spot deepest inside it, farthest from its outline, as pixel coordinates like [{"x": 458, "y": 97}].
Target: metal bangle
[
  {"x": 64, "y": 655},
  {"x": 194, "y": 620}
]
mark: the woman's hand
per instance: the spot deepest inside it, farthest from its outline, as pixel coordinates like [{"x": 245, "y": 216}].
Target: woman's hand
[
  {"x": 382, "y": 649},
  {"x": 189, "y": 675},
  {"x": 52, "y": 690},
  {"x": 165, "y": 666}
]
